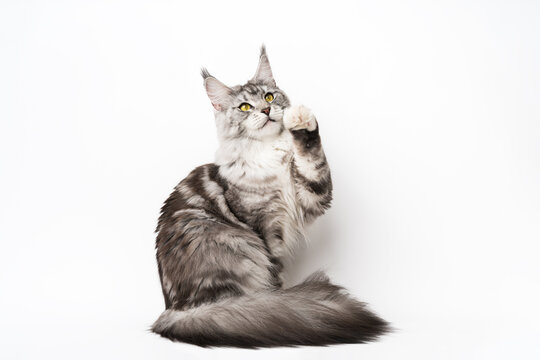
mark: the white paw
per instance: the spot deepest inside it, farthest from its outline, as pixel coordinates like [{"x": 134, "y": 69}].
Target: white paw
[{"x": 299, "y": 117}]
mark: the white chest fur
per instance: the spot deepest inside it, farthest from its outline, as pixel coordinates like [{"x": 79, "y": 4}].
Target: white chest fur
[{"x": 264, "y": 167}]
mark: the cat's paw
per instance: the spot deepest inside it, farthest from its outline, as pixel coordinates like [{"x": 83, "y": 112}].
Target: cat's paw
[{"x": 299, "y": 117}]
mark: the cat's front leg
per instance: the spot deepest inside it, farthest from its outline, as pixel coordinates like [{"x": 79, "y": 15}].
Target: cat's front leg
[
  {"x": 299, "y": 117},
  {"x": 310, "y": 169}
]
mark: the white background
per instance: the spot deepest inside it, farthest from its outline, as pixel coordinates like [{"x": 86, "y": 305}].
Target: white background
[{"x": 429, "y": 113}]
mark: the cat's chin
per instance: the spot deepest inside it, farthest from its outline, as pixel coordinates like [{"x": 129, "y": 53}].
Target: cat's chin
[
  {"x": 268, "y": 121},
  {"x": 270, "y": 128}
]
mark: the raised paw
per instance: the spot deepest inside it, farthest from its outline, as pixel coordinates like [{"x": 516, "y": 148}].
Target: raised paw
[{"x": 299, "y": 117}]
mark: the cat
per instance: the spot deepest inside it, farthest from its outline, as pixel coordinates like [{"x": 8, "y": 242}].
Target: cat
[{"x": 228, "y": 228}]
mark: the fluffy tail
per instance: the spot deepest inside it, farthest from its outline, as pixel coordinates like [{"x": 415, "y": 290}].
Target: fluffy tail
[{"x": 314, "y": 312}]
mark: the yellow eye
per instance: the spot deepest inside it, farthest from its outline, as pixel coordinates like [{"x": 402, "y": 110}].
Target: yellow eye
[
  {"x": 245, "y": 107},
  {"x": 269, "y": 97}
]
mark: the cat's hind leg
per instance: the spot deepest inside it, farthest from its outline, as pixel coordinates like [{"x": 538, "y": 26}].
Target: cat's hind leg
[{"x": 202, "y": 261}]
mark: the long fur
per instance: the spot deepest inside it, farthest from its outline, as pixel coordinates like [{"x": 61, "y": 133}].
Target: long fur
[
  {"x": 314, "y": 312},
  {"x": 229, "y": 229}
]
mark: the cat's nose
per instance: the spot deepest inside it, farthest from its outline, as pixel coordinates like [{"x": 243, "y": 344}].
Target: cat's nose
[{"x": 266, "y": 111}]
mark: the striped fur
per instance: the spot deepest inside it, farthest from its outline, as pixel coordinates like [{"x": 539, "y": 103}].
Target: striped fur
[
  {"x": 229, "y": 228},
  {"x": 314, "y": 312}
]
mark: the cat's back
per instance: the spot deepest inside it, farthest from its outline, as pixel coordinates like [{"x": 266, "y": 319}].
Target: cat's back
[
  {"x": 199, "y": 194},
  {"x": 194, "y": 230}
]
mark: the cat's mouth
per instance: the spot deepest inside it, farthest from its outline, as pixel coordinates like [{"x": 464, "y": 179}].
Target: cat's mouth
[{"x": 268, "y": 121}]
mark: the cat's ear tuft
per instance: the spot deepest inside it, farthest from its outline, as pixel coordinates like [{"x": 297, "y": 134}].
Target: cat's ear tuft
[
  {"x": 264, "y": 71},
  {"x": 218, "y": 92},
  {"x": 205, "y": 73}
]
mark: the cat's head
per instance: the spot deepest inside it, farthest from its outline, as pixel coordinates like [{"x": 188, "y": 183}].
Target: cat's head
[{"x": 253, "y": 110}]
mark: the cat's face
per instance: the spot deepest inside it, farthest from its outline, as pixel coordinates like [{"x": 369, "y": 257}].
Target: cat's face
[{"x": 253, "y": 110}]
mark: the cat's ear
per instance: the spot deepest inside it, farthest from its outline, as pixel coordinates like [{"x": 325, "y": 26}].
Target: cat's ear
[
  {"x": 264, "y": 71},
  {"x": 218, "y": 92}
]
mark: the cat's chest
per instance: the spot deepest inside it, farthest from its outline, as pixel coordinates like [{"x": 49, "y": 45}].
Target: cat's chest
[
  {"x": 271, "y": 209},
  {"x": 270, "y": 195},
  {"x": 263, "y": 195}
]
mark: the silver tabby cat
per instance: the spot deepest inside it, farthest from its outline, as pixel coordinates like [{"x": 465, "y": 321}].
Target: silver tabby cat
[{"x": 228, "y": 228}]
